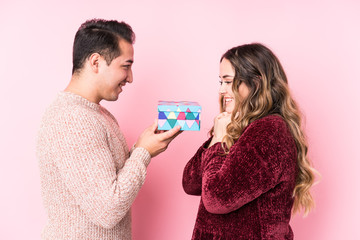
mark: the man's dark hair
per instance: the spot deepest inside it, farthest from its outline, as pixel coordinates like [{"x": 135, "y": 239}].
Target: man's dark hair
[{"x": 100, "y": 36}]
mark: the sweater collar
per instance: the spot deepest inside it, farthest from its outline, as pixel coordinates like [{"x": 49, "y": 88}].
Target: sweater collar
[{"x": 80, "y": 100}]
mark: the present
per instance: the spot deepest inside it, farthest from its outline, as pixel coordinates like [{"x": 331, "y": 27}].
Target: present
[{"x": 183, "y": 113}]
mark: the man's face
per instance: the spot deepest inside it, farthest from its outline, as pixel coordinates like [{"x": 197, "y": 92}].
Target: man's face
[{"x": 113, "y": 77}]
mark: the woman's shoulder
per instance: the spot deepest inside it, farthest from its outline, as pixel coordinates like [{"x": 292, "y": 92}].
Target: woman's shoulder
[
  {"x": 267, "y": 127},
  {"x": 269, "y": 121}
]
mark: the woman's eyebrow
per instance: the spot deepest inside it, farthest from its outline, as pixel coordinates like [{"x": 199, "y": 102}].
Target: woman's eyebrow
[{"x": 225, "y": 76}]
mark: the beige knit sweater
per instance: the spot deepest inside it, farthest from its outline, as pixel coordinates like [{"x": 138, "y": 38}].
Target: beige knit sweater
[{"x": 88, "y": 177}]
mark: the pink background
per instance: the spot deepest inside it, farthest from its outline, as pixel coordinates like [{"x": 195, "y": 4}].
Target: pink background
[{"x": 176, "y": 58}]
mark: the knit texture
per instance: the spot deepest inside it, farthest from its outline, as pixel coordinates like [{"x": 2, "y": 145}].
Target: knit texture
[
  {"x": 246, "y": 194},
  {"x": 88, "y": 177}
]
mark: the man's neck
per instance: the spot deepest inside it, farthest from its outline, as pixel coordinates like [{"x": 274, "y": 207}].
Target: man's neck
[{"x": 78, "y": 86}]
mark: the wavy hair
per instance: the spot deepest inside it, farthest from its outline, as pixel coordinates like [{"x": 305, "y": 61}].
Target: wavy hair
[{"x": 261, "y": 71}]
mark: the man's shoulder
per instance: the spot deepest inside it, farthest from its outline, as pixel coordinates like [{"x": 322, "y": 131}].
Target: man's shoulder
[
  {"x": 62, "y": 109},
  {"x": 66, "y": 112}
]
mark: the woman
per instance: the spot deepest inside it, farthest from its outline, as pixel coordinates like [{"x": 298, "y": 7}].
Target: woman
[{"x": 253, "y": 171}]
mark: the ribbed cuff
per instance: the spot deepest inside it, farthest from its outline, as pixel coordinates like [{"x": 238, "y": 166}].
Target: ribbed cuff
[
  {"x": 132, "y": 148},
  {"x": 143, "y": 154}
]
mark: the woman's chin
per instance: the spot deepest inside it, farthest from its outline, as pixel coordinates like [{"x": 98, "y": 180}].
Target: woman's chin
[{"x": 228, "y": 111}]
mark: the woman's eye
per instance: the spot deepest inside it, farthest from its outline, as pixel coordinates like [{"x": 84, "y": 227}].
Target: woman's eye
[{"x": 226, "y": 82}]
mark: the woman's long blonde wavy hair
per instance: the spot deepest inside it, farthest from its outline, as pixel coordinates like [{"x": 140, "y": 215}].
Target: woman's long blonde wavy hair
[{"x": 257, "y": 67}]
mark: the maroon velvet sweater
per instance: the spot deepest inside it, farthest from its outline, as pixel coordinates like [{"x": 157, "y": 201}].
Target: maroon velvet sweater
[{"x": 246, "y": 194}]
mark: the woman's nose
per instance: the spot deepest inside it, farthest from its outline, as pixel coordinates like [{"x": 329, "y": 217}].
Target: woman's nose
[{"x": 222, "y": 89}]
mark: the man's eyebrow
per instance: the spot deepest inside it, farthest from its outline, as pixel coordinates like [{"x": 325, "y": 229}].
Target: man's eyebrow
[{"x": 130, "y": 61}]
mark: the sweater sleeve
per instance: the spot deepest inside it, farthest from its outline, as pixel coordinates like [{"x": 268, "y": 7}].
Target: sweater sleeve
[
  {"x": 193, "y": 172},
  {"x": 252, "y": 167},
  {"x": 86, "y": 165}
]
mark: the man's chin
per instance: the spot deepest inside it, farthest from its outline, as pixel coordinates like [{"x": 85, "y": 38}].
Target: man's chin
[{"x": 112, "y": 98}]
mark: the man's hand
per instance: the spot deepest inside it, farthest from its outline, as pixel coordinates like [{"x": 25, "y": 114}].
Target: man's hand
[{"x": 156, "y": 141}]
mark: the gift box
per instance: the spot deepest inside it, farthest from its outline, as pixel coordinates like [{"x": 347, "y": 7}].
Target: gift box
[{"x": 183, "y": 113}]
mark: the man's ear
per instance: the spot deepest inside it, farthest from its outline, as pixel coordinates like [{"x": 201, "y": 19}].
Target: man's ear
[{"x": 94, "y": 61}]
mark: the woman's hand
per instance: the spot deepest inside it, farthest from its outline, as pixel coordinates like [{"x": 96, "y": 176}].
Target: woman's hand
[{"x": 220, "y": 123}]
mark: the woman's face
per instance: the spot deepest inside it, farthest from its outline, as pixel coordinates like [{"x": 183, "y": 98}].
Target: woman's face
[{"x": 226, "y": 76}]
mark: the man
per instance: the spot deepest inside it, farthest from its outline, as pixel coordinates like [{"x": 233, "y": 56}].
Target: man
[{"x": 89, "y": 178}]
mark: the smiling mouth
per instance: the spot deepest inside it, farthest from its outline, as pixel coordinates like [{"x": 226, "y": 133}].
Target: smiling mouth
[{"x": 227, "y": 100}]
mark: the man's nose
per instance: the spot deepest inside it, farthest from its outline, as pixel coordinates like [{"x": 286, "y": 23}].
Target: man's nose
[{"x": 129, "y": 78}]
